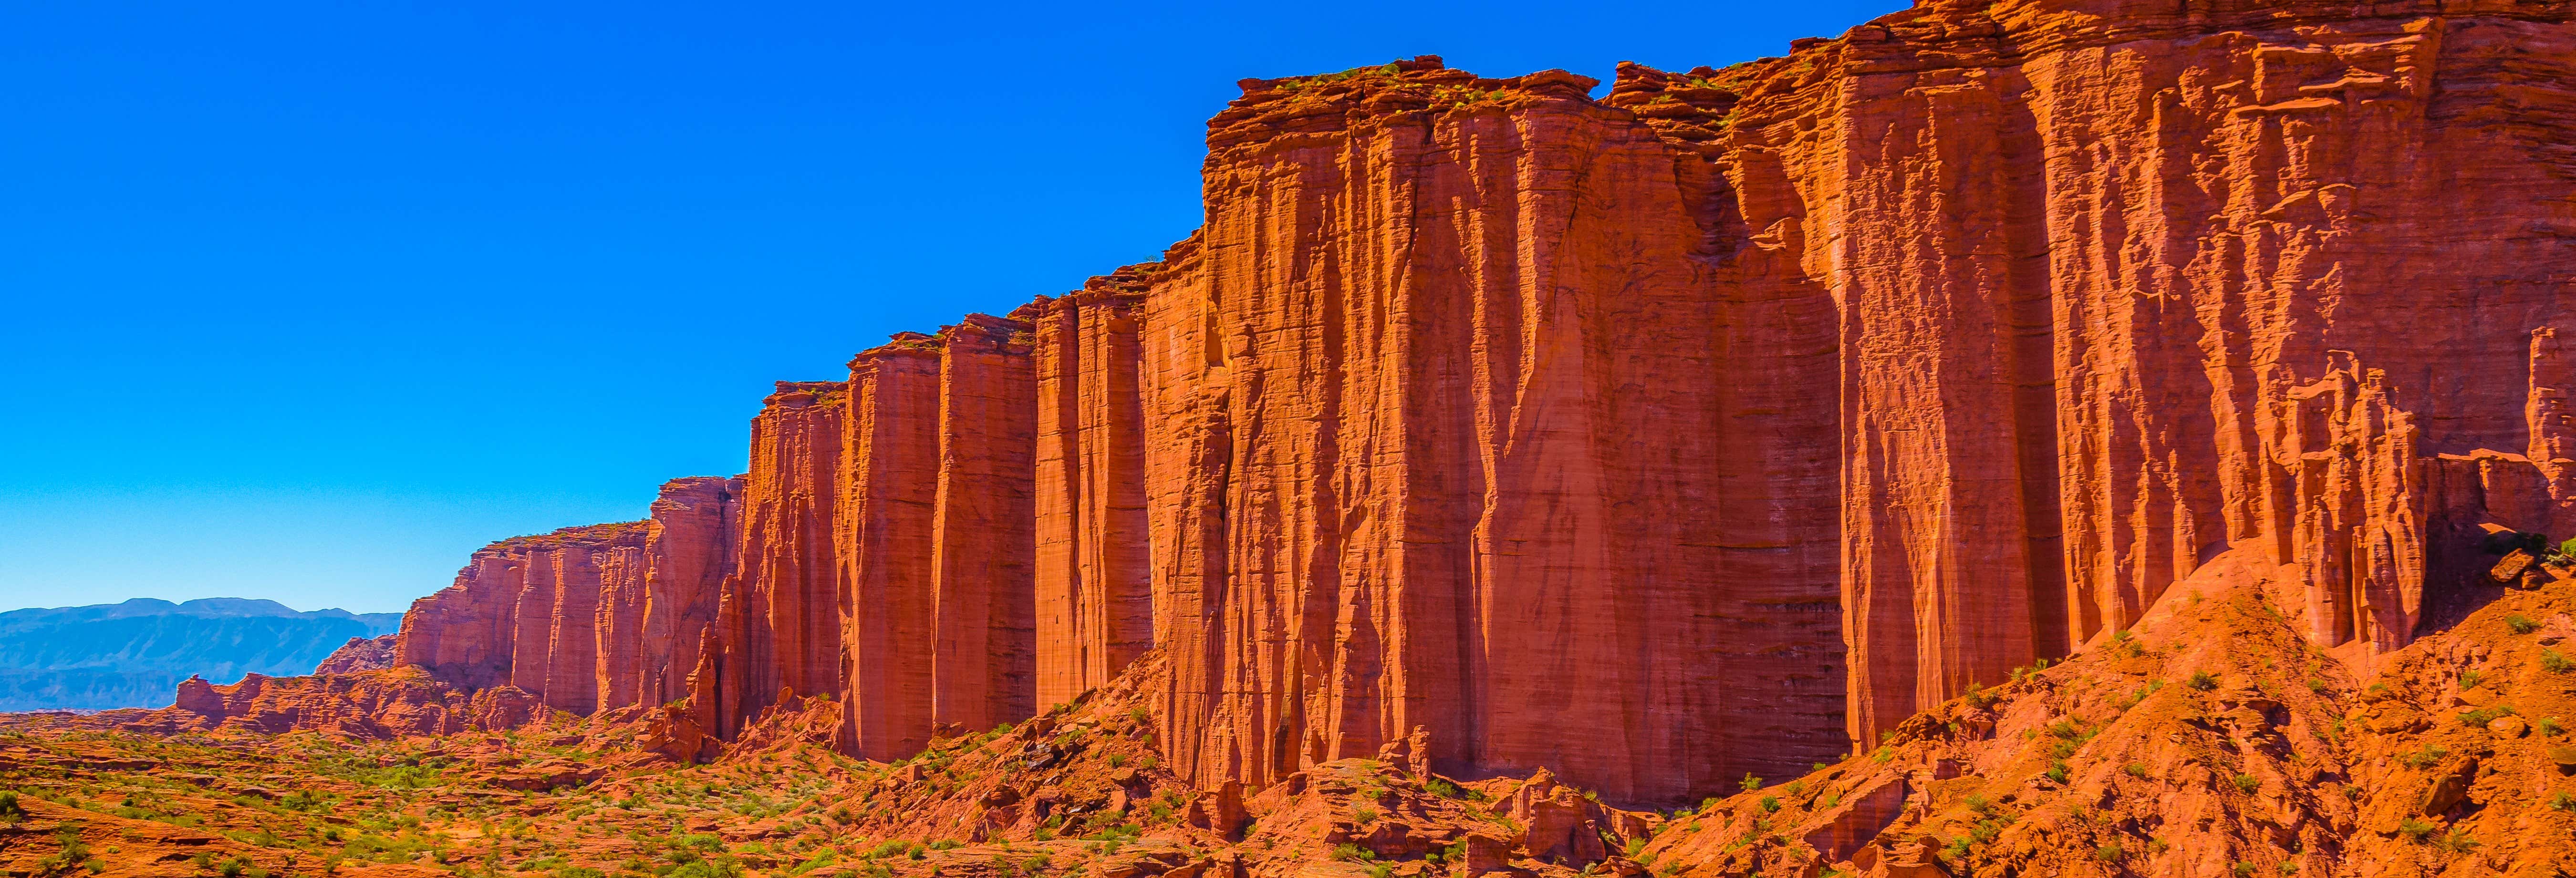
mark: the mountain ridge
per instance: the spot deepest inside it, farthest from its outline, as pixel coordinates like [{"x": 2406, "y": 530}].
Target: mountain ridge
[{"x": 134, "y": 653}]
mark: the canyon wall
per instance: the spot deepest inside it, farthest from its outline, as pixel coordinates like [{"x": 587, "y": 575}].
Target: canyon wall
[
  {"x": 584, "y": 618},
  {"x": 1710, "y": 426},
  {"x": 1095, "y": 604}
]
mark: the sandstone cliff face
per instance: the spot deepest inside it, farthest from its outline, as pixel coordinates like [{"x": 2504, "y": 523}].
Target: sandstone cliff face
[
  {"x": 689, "y": 545},
  {"x": 1095, "y": 604},
  {"x": 938, "y": 537},
  {"x": 777, "y": 616},
  {"x": 1448, "y": 364},
  {"x": 2119, "y": 288},
  {"x": 983, "y": 527},
  {"x": 525, "y": 612},
  {"x": 585, "y": 618},
  {"x": 1708, "y": 427},
  {"x": 359, "y": 654}
]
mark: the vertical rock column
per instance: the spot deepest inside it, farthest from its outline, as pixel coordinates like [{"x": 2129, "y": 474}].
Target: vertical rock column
[
  {"x": 572, "y": 636},
  {"x": 532, "y": 634},
  {"x": 778, "y": 619},
  {"x": 1444, "y": 440},
  {"x": 463, "y": 633},
  {"x": 982, "y": 528},
  {"x": 1094, "y": 589},
  {"x": 618, "y": 626},
  {"x": 689, "y": 546},
  {"x": 886, "y": 532},
  {"x": 1952, "y": 572}
]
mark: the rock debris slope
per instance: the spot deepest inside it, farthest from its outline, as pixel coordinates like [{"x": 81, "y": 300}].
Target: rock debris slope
[{"x": 1715, "y": 425}]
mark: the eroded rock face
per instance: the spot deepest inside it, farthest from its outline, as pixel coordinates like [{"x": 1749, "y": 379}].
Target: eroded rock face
[
  {"x": 1708, "y": 427},
  {"x": 1095, "y": 604},
  {"x": 375, "y": 704},
  {"x": 526, "y": 612},
  {"x": 2112, "y": 287},
  {"x": 689, "y": 545},
  {"x": 359, "y": 654},
  {"x": 778, "y": 618},
  {"x": 1503, "y": 472},
  {"x": 586, "y": 618}
]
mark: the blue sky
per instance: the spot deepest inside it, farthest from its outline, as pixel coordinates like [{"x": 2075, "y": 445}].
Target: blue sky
[{"x": 306, "y": 302}]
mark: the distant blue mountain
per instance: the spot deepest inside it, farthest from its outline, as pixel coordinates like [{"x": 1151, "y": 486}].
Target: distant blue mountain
[{"x": 135, "y": 653}]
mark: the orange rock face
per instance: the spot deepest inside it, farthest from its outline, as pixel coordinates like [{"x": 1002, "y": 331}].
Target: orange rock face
[
  {"x": 1095, "y": 604},
  {"x": 1711, "y": 426},
  {"x": 777, "y": 619},
  {"x": 368, "y": 704},
  {"x": 1498, "y": 471},
  {"x": 983, "y": 525},
  {"x": 525, "y": 612},
  {"x": 689, "y": 545},
  {"x": 586, "y": 618},
  {"x": 359, "y": 654}
]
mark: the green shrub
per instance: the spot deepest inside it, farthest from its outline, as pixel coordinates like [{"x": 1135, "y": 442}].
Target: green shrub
[
  {"x": 2202, "y": 680},
  {"x": 2553, "y": 662},
  {"x": 2108, "y": 852},
  {"x": 2480, "y": 717},
  {"x": 2247, "y": 784},
  {"x": 1749, "y": 783},
  {"x": 2521, "y": 624},
  {"x": 2414, "y": 829}
]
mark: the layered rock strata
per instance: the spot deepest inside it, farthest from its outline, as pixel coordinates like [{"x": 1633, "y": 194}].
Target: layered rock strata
[{"x": 1708, "y": 427}]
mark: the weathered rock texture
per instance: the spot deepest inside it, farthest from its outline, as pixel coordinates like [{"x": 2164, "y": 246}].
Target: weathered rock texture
[
  {"x": 689, "y": 545},
  {"x": 1095, "y": 604},
  {"x": 359, "y": 654},
  {"x": 1449, "y": 444},
  {"x": 585, "y": 618},
  {"x": 373, "y": 704},
  {"x": 777, "y": 620},
  {"x": 2119, "y": 288},
  {"x": 1710, "y": 426},
  {"x": 526, "y": 612}
]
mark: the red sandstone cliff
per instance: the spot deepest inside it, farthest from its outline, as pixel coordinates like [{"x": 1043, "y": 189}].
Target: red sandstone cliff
[
  {"x": 1094, "y": 599},
  {"x": 776, "y": 619},
  {"x": 359, "y": 654},
  {"x": 585, "y": 618},
  {"x": 1707, "y": 427}
]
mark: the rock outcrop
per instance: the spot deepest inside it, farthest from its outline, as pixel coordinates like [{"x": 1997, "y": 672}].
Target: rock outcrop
[
  {"x": 585, "y": 618},
  {"x": 1715, "y": 425},
  {"x": 371, "y": 705},
  {"x": 360, "y": 654},
  {"x": 777, "y": 618}
]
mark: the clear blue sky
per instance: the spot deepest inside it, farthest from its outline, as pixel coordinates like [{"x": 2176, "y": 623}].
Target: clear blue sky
[{"x": 306, "y": 302}]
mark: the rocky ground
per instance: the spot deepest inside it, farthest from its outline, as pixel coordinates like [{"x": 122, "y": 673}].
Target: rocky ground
[{"x": 2209, "y": 739}]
